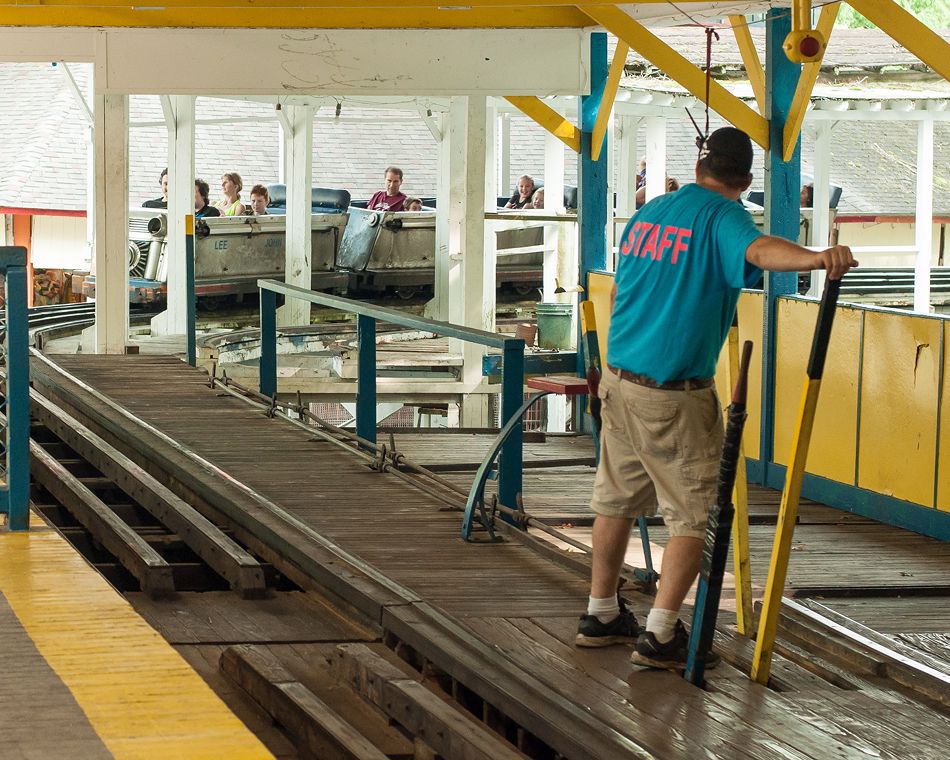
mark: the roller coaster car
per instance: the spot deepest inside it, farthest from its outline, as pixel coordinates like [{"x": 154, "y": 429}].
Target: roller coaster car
[
  {"x": 385, "y": 249},
  {"x": 231, "y": 253},
  {"x": 353, "y": 250}
]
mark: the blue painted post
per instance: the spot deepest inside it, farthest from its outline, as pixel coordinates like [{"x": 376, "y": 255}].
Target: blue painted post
[
  {"x": 592, "y": 186},
  {"x": 267, "y": 368},
  {"x": 17, "y": 491},
  {"x": 782, "y": 188},
  {"x": 191, "y": 326},
  {"x": 592, "y": 208},
  {"x": 512, "y": 396},
  {"x": 366, "y": 378}
]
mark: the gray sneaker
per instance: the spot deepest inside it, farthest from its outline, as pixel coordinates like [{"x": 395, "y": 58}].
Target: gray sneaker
[
  {"x": 623, "y": 629},
  {"x": 669, "y": 656}
]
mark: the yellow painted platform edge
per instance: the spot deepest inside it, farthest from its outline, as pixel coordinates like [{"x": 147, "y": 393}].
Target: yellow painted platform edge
[{"x": 148, "y": 704}]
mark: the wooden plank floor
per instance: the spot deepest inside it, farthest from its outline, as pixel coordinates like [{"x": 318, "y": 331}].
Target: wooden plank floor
[{"x": 506, "y": 594}]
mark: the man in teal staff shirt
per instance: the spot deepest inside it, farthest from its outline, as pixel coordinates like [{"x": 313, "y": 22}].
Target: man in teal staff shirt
[{"x": 683, "y": 260}]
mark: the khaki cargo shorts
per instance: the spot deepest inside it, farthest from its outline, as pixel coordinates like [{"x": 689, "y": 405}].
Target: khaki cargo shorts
[{"x": 658, "y": 448}]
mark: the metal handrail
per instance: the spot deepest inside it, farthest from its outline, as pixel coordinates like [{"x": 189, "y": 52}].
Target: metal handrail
[{"x": 512, "y": 383}]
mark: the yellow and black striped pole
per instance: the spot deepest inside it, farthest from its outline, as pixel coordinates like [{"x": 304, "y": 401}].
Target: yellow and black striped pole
[
  {"x": 742, "y": 568},
  {"x": 788, "y": 510}
]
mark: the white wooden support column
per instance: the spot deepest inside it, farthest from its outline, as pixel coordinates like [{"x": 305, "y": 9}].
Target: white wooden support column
[
  {"x": 181, "y": 201},
  {"x": 656, "y": 156},
  {"x": 609, "y": 154},
  {"x": 553, "y": 202},
  {"x": 627, "y": 168},
  {"x": 90, "y": 135},
  {"x": 298, "y": 169},
  {"x": 281, "y": 148},
  {"x": 504, "y": 155},
  {"x": 924, "y": 215},
  {"x": 450, "y": 164},
  {"x": 86, "y": 111},
  {"x": 111, "y": 258},
  {"x": 558, "y": 245},
  {"x": 627, "y": 165},
  {"x": 821, "y": 218},
  {"x": 471, "y": 299}
]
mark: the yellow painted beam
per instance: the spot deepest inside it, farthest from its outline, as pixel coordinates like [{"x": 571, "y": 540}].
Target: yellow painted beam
[
  {"x": 806, "y": 84},
  {"x": 904, "y": 28},
  {"x": 351, "y": 4},
  {"x": 549, "y": 119},
  {"x": 750, "y": 58},
  {"x": 681, "y": 70},
  {"x": 742, "y": 567},
  {"x": 784, "y": 531},
  {"x": 607, "y": 100},
  {"x": 296, "y": 17}
]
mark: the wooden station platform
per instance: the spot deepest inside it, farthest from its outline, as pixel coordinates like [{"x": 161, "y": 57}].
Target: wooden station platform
[
  {"x": 499, "y": 618},
  {"x": 84, "y": 676}
]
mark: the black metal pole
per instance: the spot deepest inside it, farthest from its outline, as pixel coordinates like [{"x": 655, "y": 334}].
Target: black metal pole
[{"x": 718, "y": 532}]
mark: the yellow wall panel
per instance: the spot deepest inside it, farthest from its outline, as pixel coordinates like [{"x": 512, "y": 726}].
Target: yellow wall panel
[
  {"x": 943, "y": 472},
  {"x": 831, "y": 453},
  {"x": 722, "y": 375},
  {"x": 599, "y": 287},
  {"x": 750, "y": 328},
  {"x": 897, "y": 450}
]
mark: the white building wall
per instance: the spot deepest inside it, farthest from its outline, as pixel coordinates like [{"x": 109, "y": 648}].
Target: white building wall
[
  {"x": 884, "y": 234},
  {"x": 59, "y": 242}
]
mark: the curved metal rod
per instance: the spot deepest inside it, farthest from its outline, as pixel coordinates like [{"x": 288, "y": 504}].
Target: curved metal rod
[{"x": 476, "y": 495}]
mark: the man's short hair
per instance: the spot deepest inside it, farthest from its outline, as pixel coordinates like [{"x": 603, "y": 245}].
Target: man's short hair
[
  {"x": 162, "y": 175},
  {"x": 204, "y": 189},
  {"x": 727, "y": 156},
  {"x": 394, "y": 169},
  {"x": 261, "y": 191}
]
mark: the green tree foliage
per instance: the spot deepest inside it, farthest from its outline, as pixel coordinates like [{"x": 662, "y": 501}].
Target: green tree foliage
[{"x": 934, "y": 13}]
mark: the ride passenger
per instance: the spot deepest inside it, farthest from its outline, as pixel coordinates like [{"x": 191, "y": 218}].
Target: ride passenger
[
  {"x": 202, "y": 206},
  {"x": 390, "y": 199},
  {"x": 259, "y": 200},
  {"x": 807, "y": 196},
  {"x": 163, "y": 201},
  {"x": 671, "y": 187},
  {"x": 684, "y": 257},
  {"x": 231, "y": 186},
  {"x": 412, "y": 204},
  {"x": 641, "y": 173},
  {"x": 521, "y": 197}
]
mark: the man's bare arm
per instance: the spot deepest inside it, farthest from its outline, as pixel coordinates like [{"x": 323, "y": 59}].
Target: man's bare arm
[{"x": 780, "y": 255}]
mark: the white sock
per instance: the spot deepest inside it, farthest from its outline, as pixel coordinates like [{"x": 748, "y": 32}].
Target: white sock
[
  {"x": 604, "y": 610},
  {"x": 661, "y": 623}
]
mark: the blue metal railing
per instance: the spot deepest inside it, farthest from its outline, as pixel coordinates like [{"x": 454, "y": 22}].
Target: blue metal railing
[
  {"x": 15, "y": 404},
  {"x": 512, "y": 381}
]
